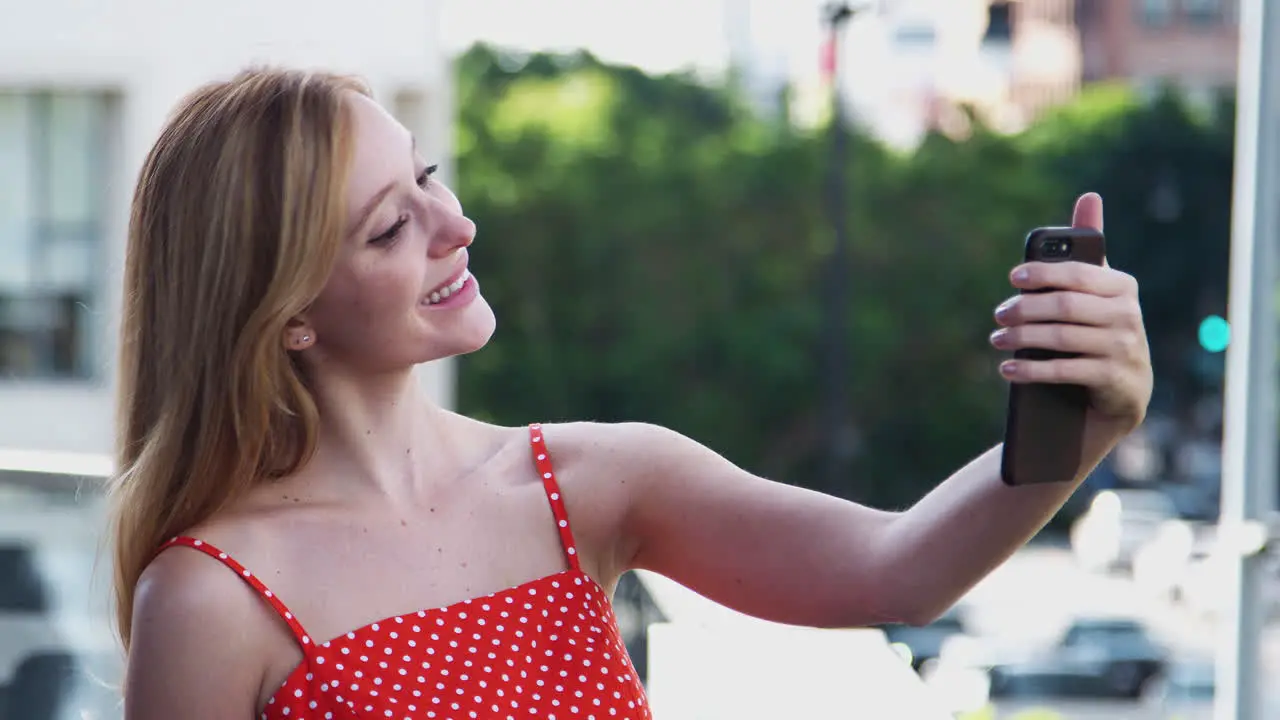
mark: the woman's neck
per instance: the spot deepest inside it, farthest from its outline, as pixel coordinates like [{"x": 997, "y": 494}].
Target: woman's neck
[{"x": 375, "y": 435}]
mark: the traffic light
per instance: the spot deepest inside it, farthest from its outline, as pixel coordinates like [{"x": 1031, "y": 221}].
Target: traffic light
[{"x": 1215, "y": 334}]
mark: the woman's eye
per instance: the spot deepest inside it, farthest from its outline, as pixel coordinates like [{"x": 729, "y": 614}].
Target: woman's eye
[
  {"x": 425, "y": 178},
  {"x": 390, "y": 233}
]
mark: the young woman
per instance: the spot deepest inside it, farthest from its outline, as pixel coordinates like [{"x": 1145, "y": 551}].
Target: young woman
[{"x": 300, "y": 534}]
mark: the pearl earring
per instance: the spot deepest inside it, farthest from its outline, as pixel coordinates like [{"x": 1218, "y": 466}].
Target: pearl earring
[{"x": 306, "y": 338}]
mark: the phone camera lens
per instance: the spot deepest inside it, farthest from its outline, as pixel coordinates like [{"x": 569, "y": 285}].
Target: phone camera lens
[{"x": 1057, "y": 248}]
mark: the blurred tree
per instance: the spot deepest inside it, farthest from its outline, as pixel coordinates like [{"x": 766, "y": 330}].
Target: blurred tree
[
  {"x": 651, "y": 267},
  {"x": 652, "y": 252},
  {"x": 947, "y": 230}
]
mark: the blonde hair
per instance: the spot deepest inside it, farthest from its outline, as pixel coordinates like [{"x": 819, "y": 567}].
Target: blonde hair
[{"x": 234, "y": 228}]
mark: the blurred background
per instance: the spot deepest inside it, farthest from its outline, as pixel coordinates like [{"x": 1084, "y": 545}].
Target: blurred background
[{"x": 775, "y": 227}]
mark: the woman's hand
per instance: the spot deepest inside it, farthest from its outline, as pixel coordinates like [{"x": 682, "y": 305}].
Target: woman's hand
[{"x": 1092, "y": 311}]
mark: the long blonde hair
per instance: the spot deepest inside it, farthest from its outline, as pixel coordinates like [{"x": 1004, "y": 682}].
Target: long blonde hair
[{"x": 234, "y": 229}]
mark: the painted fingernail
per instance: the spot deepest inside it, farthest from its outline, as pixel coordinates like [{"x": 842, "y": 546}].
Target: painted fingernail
[
  {"x": 1004, "y": 307},
  {"x": 999, "y": 336},
  {"x": 1008, "y": 368},
  {"x": 1021, "y": 274}
]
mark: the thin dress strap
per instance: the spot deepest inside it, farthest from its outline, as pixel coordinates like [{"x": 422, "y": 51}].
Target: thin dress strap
[
  {"x": 542, "y": 460},
  {"x": 298, "y": 632}
]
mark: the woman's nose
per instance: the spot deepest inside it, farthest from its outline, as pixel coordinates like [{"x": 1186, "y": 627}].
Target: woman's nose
[{"x": 456, "y": 231}]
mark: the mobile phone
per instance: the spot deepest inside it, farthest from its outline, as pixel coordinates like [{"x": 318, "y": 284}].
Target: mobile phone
[{"x": 1044, "y": 424}]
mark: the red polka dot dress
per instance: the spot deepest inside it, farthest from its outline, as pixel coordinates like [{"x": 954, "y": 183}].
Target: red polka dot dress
[{"x": 549, "y": 648}]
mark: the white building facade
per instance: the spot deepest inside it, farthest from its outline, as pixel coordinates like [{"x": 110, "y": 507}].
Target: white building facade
[{"x": 85, "y": 86}]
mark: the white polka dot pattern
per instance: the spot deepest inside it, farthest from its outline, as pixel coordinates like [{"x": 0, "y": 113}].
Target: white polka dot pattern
[{"x": 549, "y": 648}]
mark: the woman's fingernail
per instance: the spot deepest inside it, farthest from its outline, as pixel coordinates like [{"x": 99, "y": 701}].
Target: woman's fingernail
[
  {"x": 1008, "y": 368},
  {"x": 1021, "y": 274},
  {"x": 998, "y": 336},
  {"x": 1004, "y": 307}
]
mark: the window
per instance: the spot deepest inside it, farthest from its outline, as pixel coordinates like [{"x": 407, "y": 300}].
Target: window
[
  {"x": 1203, "y": 12},
  {"x": 1156, "y": 13},
  {"x": 51, "y": 210},
  {"x": 999, "y": 23}
]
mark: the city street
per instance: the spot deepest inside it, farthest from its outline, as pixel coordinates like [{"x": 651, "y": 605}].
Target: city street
[
  {"x": 1041, "y": 589},
  {"x": 1035, "y": 595}
]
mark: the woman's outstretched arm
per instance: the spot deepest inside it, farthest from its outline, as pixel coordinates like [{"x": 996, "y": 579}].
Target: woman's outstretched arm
[{"x": 792, "y": 555}]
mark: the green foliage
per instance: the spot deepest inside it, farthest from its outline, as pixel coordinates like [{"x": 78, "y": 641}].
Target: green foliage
[{"x": 654, "y": 252}]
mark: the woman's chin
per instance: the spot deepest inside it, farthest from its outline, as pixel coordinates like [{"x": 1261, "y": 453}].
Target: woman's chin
[{"x": 467, "y": 336}]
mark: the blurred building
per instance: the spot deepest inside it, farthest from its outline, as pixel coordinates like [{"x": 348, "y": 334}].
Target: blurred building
[
  {"x": 1190, "y": 44},
  {"x": 84, "y": 90},
  {"x": 1048, "y": 59},
  {"x": 908, "y": 66}
]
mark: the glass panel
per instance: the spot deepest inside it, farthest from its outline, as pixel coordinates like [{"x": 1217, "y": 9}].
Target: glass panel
[
  {"x": 74, "y": 154},
  {"x": 69, "y": 266},
  {"x": 16, "y": 206}
]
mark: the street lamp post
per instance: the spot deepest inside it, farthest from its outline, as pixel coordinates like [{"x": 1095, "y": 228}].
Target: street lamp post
[
  {"x": 1249, "y": 440},
  {"x": 839, "y": 448}
]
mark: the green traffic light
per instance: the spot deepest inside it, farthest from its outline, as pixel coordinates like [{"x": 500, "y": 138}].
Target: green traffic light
[{"x": 1215, "y": 334}]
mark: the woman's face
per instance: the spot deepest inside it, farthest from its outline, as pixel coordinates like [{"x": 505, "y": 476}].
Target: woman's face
[{"x": 400, "y": 293}]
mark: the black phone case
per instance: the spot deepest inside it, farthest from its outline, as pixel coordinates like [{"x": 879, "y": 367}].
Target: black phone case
[{"x": 1044, "y": 425}]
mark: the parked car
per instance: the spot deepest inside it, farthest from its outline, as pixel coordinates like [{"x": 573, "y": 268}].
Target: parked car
[{"x": 1096, "y": 657}]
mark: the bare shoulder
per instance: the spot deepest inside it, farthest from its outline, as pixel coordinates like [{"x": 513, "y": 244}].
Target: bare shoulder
[
  {"x": 197, "y": 629},
  {"x": 604, "y": 468},
  {"x": 627, "y": 458},
  {"x": 183, "y": 589},
  {"x": 576, "y": 444},
  {"x": 620, "y": 449},
  {"x": 587, "y": 457}
]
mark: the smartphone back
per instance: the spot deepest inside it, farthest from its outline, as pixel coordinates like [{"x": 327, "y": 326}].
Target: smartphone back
[{"x": 1044, "y": 426}]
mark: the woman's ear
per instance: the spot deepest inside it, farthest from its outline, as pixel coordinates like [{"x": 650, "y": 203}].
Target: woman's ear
[{"x": 298, "y": 335}]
